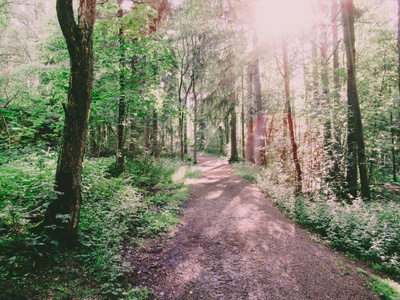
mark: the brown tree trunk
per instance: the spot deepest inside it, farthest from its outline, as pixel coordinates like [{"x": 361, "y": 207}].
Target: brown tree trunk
[
  {"x": 242, "y": 121},
  {"x": 154, "y": 137},
  {"x": 398, "y": 41},
  {"x": 121, "y": 102},
  {"x": 195, "y": 119},
  {"x": 394, "y": 169},
  {"x": 355, "y": 121},
  {"x": 146, "y": 133},
  {"x": 62, "y": 215},
  {"x": 298, "y": 179},
  {"x": 250, "y": 124},
  {"x": 335, "y": 173},
  {"x": 259, "y": 123},
  {"x": 335, "y": 44},
  {"x": 234, "y": 152}
]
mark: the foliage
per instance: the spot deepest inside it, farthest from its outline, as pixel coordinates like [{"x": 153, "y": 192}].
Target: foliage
[
  {"x": 386, "y": 288},
  {"x": 141, "y": 204}
]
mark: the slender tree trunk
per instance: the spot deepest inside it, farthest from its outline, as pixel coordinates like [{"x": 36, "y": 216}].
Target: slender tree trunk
[
  {"x": 185, "y": 133},
  {"x": 195, "y": 118},
  {"x": 335, "y": 173},
  {"x": 393, "y": 149},
  {"x": 121, "y": 101},
  {"x": 298, "y": 180},
  {"x": 326, "y": 110},
  {"x": 234, "y": 152},
  {"x": 398, "y": 42},
  {"x": 259, "y": 117},
  {"x": 242, "y": 121},
  {"x": 5, "y": 128},
  {"x": 335, "y": 44},
  {"x": 146, "y": 133},
  {"x": 355, "y": 121},
  {"x": 62, "y": 215},
  {"x": 172, "y": 137},
  {"x": 250, "y": 125},
  {"x": 154, "y": 138}
]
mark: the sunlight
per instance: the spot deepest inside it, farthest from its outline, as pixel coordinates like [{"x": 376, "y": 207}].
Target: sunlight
[{"x": 277, "y": 17}]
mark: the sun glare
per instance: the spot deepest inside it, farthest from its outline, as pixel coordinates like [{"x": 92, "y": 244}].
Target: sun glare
[{"x": 277, "y": 17}]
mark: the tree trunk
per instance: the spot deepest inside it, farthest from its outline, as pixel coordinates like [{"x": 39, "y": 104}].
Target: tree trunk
[
  {"x": 242, "y": 121},
  {"x": 298, "y": 178},
  {"x": 335, "y": 44},
  {"x": 335, "y": 173},
  {"x": 62, "y": 215},
  {"x": 234, "y": 152},
  {"x": 121, "y": 102},
  {"x": 185, "y": 133},
  {"x": 146, "y": 133},
  {"x": 195, "y": 119},
  {"x": 250, "y": 124},
  {"x": 355, "y": 122},
  {"x": 154, "y": 137},
  {"x": 398, "y": 41},
  {"x": 394, "y": 169},
  {"x": 259, "y": 129}
]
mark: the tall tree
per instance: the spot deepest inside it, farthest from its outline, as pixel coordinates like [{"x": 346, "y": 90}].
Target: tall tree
[
  {"x": 63, "y": 213},
  {"x": 121, "y": 101},
  {"x": 234, "y": 152},
  {"x": 356, "y": 144},
  {"x": 250, "y": 124},
  {"x": 259, "y": 123},
  {"x": 288, "y": 110}
]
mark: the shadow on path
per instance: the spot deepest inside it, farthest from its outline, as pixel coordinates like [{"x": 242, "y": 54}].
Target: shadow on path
[{"x": 234, "y": 244}]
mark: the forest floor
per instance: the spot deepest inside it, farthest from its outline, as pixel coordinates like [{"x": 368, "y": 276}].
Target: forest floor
[{"x": 233, "y": 243}]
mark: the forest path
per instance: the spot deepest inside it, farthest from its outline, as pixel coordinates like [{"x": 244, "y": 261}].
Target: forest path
[{"x": 233, "y": 243}]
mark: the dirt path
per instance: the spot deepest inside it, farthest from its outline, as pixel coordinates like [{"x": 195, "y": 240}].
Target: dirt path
[{"x": 234, "y": 244}]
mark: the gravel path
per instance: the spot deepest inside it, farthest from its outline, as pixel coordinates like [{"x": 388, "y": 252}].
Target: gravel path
[{"x": 235, "y": 244}]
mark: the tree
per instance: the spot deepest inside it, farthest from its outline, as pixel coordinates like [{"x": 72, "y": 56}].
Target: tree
[
  {"x": 288, "y": 110},
  {"x": 356, "y": 146},
  {"x": 62, "y": 215}
]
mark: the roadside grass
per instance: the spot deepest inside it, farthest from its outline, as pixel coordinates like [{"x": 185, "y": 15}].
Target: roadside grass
[
  {"x": 363, "y": 230},
  {"x": 142, "y": 203}
]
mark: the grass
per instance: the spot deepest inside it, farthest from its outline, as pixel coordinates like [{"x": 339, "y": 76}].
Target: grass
[
  {"x": 386, "y": 288},
  {"x": 143, "y": 203}
]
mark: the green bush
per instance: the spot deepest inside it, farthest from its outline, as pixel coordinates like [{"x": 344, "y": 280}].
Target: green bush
[{"x": 141, "y": 203}]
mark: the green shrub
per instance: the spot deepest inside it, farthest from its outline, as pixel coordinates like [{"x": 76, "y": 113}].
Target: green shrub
[{"x": 141, "y": 203}]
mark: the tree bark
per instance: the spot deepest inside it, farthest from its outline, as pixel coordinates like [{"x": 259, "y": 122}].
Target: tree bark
[
  {"x": 259, "y": 129},
  {"x": 398, "y": 42},
  {"x": 298, "y": 179},
  {"x": 250, "y": 124},
  {"x": 242, "y": 121},
  {"x": 195, "y": 118},
  {"x": 121, "y": 101},
  {"x": 394, "y": 169},
  {"x": 154, "y": 137},
  {"x": 355, "y": 122},
  {"x": 146, "y": 133},
  {"x": 62, "y": 215},
  {"x": 234, "y": 152}
]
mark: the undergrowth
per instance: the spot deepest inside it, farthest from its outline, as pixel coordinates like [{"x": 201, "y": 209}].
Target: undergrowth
[
  {"x": 364, "y": 230},
  {"x": 141, "y": 203}
]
